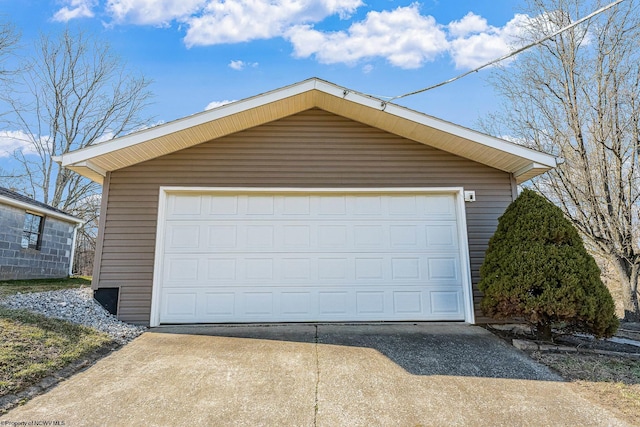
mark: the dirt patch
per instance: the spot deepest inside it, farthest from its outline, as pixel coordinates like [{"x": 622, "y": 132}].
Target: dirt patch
[{"x": 607, "y": 380}]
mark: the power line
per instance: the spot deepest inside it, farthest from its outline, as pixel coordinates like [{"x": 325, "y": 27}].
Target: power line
[{"x": 502, "y": 58}]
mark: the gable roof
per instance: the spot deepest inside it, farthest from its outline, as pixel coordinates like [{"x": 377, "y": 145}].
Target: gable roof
[
  {"x": 12, "y": 198},
  {"x": 95, "y": 161}
]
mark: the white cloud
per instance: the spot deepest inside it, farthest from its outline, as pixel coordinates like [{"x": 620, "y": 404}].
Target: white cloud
[
  {"x": 470, "y": 23},
  {"x": 153, "y": 12},
  {"x": 75, "y": 9},
  {"x": 16, "y": 140},
  {"x": 234, "y": 21},
  {"x": 241, "y": 65},
  {"x": 403, "y": 36},
  {"x": 367, "y": 68},
  {"x": 216, "y": 104},
  {"x": 477, "y": 45}
]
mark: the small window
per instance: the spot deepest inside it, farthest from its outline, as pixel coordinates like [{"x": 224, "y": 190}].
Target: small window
[{"x": 32, "y": 231}]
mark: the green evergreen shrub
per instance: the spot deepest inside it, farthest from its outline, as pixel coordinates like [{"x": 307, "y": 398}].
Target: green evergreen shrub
[{"x": 537, "y": 268}]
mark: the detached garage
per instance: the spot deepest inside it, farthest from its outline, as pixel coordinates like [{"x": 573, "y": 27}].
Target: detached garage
[{"x": 308, "y": 203}]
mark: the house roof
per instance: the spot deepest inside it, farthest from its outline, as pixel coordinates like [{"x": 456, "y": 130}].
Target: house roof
[
  {"x": 95, "y": 161},
  {"x": 12, "y": 198}
]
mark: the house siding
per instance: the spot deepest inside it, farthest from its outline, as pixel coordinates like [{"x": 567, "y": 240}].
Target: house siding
[
  {"x": 50, "y": 261},
  {"x": 312, "y": 149}
]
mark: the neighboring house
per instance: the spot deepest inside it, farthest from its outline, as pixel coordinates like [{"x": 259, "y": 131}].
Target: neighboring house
[
  {"x": 307, "y": 203},
  {"x": 36, "y": 240}
]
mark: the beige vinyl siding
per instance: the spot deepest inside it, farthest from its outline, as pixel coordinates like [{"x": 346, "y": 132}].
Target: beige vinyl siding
[{"x": 310, "y": 149}]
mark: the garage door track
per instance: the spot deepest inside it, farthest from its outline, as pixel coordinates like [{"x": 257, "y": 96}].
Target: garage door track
[{"x": 315, "y": 375}]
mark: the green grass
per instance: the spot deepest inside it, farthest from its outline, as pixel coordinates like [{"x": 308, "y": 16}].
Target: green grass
[
  {"x": 11, "y": 287},
  {"x": 33, "y": 346}
]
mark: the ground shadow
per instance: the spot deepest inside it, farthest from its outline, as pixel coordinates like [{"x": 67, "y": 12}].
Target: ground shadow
[{"x": 419, "y": 348}]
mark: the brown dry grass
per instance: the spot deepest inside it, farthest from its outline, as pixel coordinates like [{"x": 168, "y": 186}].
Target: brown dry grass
[{"x": 609, "y": 381}]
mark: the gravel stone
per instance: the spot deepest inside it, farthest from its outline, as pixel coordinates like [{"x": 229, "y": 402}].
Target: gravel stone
[{"x": 76, "y": 306}]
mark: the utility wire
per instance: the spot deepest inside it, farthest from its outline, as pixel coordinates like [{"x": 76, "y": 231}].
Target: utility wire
[{"x": 508, "y": 55}]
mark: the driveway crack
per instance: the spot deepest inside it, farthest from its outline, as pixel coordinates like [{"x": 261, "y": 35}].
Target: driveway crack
[{"x": 315, "y": 415}]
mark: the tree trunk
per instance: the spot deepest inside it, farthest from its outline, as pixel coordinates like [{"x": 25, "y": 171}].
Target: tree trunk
[
  {"x": 628, "y": 274},
  {"x": 543, "y": 332}
]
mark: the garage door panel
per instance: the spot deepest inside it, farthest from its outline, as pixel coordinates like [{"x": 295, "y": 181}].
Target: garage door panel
[
  {"x": 222, "y": 205},
  {"x": 182, "y": 269},
  {"x": 445, "y": 302},
  {"x": 370, "y": 302},
  {"x": 294, "y": 303},
  {"x": 257, "y": 269},
  {"x": 180, "y": 304},
  {"x": 333, "y": 257},
  {"x": 444, "y": 269},
  {"x": 439, "y": 206},
  {"x": 276, "y": 236},
  {"x": 441, "y": 235},
  {"x": 221, "y": 269},
  {"x": 296, "y": 205},
  {"x": 184, "y": 206},
  {"x": 231, "y": 304},
  {"x": 190, "y": 206},
  {"x": 218, "y": 304},
  {"x": 220, "y": 236},
  {"x": 408, "y": 302},
  {"x": 185, "y": 236}
]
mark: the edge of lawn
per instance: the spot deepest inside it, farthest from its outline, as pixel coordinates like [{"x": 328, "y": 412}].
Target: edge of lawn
[{"x": 37, "y": 352}]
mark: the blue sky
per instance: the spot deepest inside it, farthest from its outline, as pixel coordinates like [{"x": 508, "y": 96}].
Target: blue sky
[{"x": 201, "y": 52}]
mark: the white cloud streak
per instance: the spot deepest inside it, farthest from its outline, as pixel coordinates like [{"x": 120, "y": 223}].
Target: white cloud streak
[
  {"x": 153, "y": 12},
  {"x": 17, "y": 140},
  {"x": 241, "y": 65},
  {"x": 216, "y": 104},
  {"x": 75, "y": 9}
]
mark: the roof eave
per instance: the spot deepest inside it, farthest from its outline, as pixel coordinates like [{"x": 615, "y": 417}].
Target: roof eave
[
  {"x": 39, "y": 209},
  {"x": 93, "y": 162},
  {"x": 531, "y": 171}
]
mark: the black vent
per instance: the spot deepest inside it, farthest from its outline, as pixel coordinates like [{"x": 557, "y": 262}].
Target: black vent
[{"x": 108, "y": 298}]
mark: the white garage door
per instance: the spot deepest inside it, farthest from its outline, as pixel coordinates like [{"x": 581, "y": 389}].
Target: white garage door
[{"x": 269, "y": 257}]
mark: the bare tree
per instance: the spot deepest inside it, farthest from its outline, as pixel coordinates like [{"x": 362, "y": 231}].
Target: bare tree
[
  {"x": 578, "y": 96},
  {"x": 74, "y": 92},
  {"x": 9, "y": 38}
]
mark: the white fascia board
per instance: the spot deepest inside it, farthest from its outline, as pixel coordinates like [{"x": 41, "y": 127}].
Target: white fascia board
[
  {"x": 547, "y": 160},
  {"x": 298, "y": 88},
  {"x": 402, "y": 112},
  {"x": 349, "y": 95},
  {"x": 528, "y": 168},
  {"x": 39, "y": 209},
  {"x": 185, "y": 123},
  {"x": 90, "y": 165}
]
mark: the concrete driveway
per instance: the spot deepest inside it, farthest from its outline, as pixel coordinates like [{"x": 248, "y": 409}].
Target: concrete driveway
[{"x": 315, "y": 375}]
